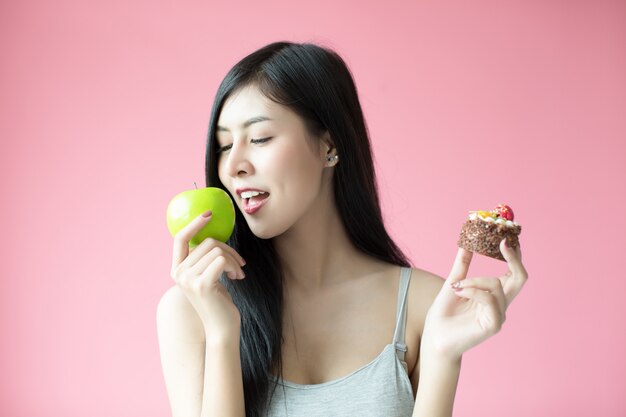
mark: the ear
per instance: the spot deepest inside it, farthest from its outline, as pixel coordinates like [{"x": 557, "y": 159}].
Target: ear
[
  {"x": 327, "y": 144},
  {"x": 328, "y": 150}
]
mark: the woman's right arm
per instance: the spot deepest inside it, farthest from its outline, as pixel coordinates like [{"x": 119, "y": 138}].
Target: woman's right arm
[
  {"x": 199, "y": 328},
  {"x": 196, "y": 374}
]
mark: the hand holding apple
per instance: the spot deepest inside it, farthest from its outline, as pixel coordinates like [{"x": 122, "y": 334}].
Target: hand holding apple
[{"x": 188, "y": 205}]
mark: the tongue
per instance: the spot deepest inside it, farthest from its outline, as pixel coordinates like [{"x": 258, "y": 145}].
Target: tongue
[{"x": 257, "y": 199}]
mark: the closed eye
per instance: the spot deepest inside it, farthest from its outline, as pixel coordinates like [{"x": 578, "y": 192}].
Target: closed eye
[
  {"x": 223, "y": 148},
  {"x": 227, "y": 147},
  {"x": 262, "y": 140}
]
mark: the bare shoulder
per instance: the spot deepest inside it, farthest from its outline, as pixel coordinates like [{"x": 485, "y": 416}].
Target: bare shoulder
[
  {"x": 423, "y": 289},
  {"x": 177, "y": 318},
  {"x": 425, "y": 285},
  {"x": 173, "y": 303}
]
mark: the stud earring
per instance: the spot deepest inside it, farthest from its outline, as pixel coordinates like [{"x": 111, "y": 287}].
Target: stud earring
[{"x": 332, "y": 159}]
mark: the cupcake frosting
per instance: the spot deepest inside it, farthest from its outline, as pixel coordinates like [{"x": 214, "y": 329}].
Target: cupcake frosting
[{"x": 502, "y": 214}]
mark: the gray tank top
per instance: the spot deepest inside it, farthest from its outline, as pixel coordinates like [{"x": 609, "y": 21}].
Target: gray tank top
[{"x": 379, "y": 389}]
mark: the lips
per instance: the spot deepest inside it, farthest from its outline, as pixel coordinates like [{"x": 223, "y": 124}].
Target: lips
[
  {"x": 253, "y": 204},
  {"x": 242, "y": 190},
  {"x": 253, "y": 198}
]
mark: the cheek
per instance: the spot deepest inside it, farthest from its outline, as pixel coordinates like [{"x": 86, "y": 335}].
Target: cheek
[
  {"x": 294, "y": 166},
  {"x": 220, "y": 172},
  {"x": 304, "y": 180}
]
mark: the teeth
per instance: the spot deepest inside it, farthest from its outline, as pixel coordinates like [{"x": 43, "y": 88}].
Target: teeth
[{"x": 248, "y": 194}]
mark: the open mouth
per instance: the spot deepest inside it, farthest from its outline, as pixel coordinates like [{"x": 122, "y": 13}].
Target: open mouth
[{"x": 253, "y": 200}]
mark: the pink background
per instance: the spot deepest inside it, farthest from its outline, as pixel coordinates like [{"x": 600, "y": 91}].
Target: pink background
[{"x": 104, "y": 112}]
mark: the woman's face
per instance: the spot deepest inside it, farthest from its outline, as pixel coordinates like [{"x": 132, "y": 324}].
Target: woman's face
[{"x": 263, "y": 146}]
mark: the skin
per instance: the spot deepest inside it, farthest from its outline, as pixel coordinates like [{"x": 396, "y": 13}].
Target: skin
[{"x": 340, "y": 304}]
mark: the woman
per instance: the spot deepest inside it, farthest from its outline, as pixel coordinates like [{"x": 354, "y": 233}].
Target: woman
[{"x": 311, "y": 309}]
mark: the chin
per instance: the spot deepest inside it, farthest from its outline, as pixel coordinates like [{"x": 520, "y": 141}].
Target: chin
[
  {"x": 263, "y": 231},
  {"x": 264, "y": 236}
]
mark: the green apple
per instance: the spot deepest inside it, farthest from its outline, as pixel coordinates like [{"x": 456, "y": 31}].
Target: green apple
[{"x": 188, "y": 205}]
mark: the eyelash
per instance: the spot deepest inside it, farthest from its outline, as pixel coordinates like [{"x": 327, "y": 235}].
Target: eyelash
[{"x": 227, "y": 147}]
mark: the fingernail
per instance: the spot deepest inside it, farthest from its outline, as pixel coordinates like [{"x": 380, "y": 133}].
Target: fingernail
[
  {"x": 243, "y": 262},
  {"x": 207, "y": 214},
  {"x": 506, "y": 243},
  {"x": 456, "y": 286}
]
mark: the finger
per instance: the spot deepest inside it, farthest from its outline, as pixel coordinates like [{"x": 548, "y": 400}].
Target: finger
[
  {"x": 517, "y": 276},
  {"x": 208, "y": 244},
  {"x": 458, "y": 272},
  {"x": 215, "y": 247},
  {"x": 184, "y": 235},
  {"x": 232, "y": 268},
  {"x": 494, "y": 318},
  {"x": 488, "y": 284},
  {"x": 214, "y": 270},
  {"x": 513, "y": 257},
  {"x": 460, "y": 266},
  {"x": 232, "y": 252}
]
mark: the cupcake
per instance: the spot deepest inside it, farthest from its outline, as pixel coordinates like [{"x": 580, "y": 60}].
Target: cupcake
[{"x": 484, "y": 230}]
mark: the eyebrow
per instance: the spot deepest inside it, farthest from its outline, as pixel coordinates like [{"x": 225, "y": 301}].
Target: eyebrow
[{"x": 247, "y": 123}]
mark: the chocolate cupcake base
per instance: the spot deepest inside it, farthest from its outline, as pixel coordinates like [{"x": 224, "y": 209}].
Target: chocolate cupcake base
[{"x": 484, "y": 237}]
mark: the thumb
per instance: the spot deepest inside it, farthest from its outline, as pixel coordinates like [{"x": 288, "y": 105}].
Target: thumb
[
  {"x": 460, "y": 267},
  {"x": 459, "y": 270}
]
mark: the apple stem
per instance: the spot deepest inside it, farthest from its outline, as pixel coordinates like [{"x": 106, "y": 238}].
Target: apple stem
[{"x": 194, "y": 184}]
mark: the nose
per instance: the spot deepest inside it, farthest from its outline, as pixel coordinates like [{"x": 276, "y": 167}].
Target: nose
[{"x": 236, "y": 161}]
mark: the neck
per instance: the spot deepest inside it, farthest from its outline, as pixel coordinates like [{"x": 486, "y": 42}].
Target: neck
[{"x": 316, "y": 252}]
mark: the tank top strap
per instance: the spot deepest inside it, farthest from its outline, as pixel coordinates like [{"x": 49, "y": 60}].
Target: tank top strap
[{"x": 399, "y": 333}]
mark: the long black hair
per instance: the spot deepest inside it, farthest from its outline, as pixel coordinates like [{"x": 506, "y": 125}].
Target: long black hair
[{"x": 316, "y": 84}]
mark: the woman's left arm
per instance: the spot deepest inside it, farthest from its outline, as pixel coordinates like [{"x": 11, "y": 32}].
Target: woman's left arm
[
  {"x": 466, "y": 312},
  {"x": 438, "y": 380}
]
